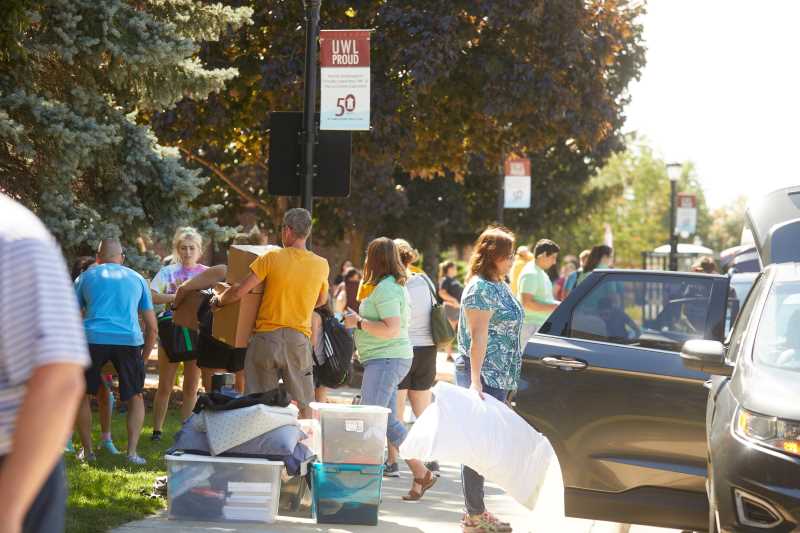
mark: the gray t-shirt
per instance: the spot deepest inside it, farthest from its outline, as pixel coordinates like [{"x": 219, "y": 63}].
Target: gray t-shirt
[{"x": 421, "y": 299}]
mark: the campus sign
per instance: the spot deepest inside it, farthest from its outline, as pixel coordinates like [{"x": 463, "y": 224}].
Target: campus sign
[
  {"x": 517, "y": 183},
  {"x": 686, "y": 214},
  {"x": 344, "y": 79}
]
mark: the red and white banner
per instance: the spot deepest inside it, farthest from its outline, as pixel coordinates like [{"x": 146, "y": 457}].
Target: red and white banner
[
  {"x": 344, "y": 79},
  {"x": 686, "y": 214},
  {"x": 517, "y": 183}
]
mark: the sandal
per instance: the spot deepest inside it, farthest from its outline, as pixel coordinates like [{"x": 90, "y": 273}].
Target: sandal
[
  {"x": 485, "y": 523},
  {"x": 501, "y": 526},
  {"x": 425, "y": 483}
]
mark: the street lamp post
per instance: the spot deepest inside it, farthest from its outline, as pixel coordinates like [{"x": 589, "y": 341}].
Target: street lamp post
[
  {"x": 309, "y": 134},
  {"x": 674, "y": 174}
]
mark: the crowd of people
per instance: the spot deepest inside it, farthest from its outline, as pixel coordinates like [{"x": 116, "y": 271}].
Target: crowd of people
[{"x": 506, "y": 295}]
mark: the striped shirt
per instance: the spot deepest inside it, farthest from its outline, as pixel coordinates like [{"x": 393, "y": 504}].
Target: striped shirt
[{"x": 40, "y": 323}]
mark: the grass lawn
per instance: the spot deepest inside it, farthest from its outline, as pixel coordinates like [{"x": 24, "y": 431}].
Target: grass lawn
[{"x": 110, "y": 492}]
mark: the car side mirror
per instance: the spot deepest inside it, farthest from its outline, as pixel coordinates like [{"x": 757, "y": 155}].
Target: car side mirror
[{"x": 706, "y": 356}]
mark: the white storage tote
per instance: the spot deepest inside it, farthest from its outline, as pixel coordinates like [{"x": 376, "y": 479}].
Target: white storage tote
[{"x": 349, "y": 434}]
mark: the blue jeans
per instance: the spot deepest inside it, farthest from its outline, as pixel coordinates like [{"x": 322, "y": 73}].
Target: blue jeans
[
  {"x": 379, "y": 387},
  {"x": 46, "y": 513},
  {"x": 471, "y": 481}
]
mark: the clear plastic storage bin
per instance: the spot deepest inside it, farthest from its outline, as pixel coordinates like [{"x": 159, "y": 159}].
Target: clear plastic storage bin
[
  {"x": 223, "y": 488},
  {"x": 346, "y": 494},
  {"x": 349, "y": 434}
]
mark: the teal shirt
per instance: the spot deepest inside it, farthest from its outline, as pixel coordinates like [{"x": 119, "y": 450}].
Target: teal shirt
[
  {"x": 503, "y": 360},
  {"x": 535, "y": 281},
  {"x": 389, "y": 299}
]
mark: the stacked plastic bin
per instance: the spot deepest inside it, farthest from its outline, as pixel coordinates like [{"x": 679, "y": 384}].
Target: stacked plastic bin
[
  {"x": 349, "y": 441},
  {"x": 223, "y": 488}
]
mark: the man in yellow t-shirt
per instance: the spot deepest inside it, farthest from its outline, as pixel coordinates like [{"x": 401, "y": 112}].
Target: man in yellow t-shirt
[{"x": 296, "y": 282}]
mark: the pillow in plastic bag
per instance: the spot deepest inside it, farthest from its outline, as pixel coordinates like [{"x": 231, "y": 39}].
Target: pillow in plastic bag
[{"x": 485, "y": 435}]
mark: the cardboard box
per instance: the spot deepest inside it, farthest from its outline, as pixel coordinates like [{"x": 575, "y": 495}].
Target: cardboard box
[
  {"x": 240, "y": 256},
  {"x": 186, "y": 314},
  {"x": 234, "y": 323}
]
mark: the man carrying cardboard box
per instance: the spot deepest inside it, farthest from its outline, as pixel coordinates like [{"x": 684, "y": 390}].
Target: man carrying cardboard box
[{"x": 296, "y": 282}]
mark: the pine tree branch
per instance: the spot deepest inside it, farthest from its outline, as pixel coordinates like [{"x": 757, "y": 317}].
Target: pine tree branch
[{"x": 221, "y": 175}]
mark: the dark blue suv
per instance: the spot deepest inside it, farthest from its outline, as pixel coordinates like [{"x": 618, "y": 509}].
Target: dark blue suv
[{"x": 635, "y": 429}]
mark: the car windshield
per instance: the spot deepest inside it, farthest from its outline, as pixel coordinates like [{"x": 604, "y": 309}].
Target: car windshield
[{"x": 778, "y": 336}]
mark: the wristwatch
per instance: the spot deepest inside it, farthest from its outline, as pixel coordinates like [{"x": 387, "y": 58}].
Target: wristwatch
[{"x": 358, "y": 324}]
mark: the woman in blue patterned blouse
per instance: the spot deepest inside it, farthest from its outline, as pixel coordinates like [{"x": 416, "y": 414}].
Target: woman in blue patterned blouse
[{"x": 489, "y": 347}]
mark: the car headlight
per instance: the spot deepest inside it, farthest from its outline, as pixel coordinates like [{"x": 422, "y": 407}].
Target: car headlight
[{"x": 769, "y": 431}]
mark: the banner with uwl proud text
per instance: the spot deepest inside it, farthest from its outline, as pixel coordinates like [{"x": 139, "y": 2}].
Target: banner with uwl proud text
[{"x": 344, "y": 79}]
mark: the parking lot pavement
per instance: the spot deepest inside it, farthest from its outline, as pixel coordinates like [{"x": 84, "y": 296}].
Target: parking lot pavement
[{"x": 439, "y": 512}]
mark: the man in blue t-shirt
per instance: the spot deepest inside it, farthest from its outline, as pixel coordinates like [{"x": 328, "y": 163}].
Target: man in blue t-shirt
[{"x": 113, "y": 297}]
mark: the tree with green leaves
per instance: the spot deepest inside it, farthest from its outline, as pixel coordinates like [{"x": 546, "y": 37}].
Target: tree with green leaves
[
  {"x": 456, "y": 85},
  {"x": 75, "y": 78},
  {"x": 635, "y": 192},
  {"x": 727, "y": 224}
]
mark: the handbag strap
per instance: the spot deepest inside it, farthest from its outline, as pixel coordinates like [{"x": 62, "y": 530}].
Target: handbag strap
[{"x": 432, "y": 288}]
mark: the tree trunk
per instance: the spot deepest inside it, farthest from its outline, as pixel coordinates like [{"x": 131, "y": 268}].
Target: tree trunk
[
  {"x": 430, "y": 256},
  {"x": 356, "y": 239}
]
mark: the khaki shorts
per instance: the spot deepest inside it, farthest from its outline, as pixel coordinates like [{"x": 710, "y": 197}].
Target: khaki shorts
[{"x": 283, "y": 353}]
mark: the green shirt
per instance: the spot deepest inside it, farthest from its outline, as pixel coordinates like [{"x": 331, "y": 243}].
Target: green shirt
[
  {"x": 389, "y": 299},
  {"x": 535, "y": 281}
]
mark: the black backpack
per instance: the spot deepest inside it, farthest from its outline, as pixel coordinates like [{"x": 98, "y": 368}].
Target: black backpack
[{"x": 334, "y": 364}]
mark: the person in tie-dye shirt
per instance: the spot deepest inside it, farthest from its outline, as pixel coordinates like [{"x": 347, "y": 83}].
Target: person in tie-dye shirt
[
  {"x": 489, "y": 349},
  {"x": 187, "y": 250}
]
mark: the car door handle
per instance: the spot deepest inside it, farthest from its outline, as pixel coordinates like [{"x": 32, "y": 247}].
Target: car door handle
[{"x": 564, "y": 363}]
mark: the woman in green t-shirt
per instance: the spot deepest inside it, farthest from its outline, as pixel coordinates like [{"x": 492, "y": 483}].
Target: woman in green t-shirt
[{"x": 383, "y": 346}]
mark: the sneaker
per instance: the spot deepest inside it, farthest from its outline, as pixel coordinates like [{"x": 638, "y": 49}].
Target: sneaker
[
  {"x": 391, "y": 470},
  {"x": 137, "y": 460},
  {"x": 69, "y": 448},
  {"x": 433, "y": 466},
  {"x": 108, "y": 445},
  {"x": 156, "y": 436},
  {"x": 484, "y": 523}
]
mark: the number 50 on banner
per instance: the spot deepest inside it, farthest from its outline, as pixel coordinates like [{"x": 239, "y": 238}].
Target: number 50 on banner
[{"x": 345, "y": 105}]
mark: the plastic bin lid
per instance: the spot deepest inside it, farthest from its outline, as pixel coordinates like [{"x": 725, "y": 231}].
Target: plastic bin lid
[
  {"x": 211, "y": 459},
  {"x": 347, "y": 408}
]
